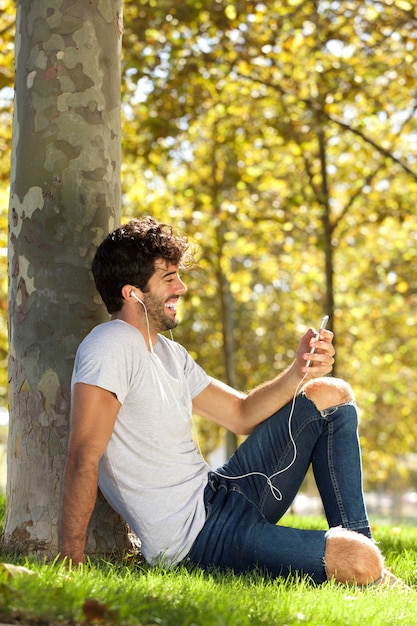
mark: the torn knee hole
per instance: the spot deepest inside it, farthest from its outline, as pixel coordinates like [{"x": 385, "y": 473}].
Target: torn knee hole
[{"x": 328, "y": 392}]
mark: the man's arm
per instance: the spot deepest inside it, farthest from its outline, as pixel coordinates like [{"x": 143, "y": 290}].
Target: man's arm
[
  {"x": 93, "y": 414},
  {"x": 241, "y": 413}
]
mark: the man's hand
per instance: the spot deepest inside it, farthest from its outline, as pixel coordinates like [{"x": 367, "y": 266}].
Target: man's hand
[
  {"x": 322, "y": 359},
  {"x": 93, "y": 414}
]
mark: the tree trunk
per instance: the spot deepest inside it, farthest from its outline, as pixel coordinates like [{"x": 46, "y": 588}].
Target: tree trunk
[
  {"x": 65, "y": 197},
  {"x": 327, "y": 241}
]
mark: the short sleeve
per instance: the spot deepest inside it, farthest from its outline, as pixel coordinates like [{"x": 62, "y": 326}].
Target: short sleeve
[{"x": 110, "y": 357}]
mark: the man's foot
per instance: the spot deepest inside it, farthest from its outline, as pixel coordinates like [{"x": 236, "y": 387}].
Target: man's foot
[
  {"x": 352, "y": 558},
  {"x": 388, "y": 579}
]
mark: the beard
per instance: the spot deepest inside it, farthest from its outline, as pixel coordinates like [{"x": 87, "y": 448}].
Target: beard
[{"x": 159, "y": 320}]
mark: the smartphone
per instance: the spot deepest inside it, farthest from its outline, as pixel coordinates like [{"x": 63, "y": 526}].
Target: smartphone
[{"x": 323, "y": 324}]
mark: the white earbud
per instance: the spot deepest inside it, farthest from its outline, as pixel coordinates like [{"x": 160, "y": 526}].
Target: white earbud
[{"x": 132, "y": 293}]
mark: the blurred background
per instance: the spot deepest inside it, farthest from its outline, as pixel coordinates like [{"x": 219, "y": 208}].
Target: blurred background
[{"x": 281, "y": 137}]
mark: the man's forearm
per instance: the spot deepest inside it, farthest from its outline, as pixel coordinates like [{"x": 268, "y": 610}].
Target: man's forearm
[
  {"x": 78, "y": 500},
  {"x": 271, "y": 396}
]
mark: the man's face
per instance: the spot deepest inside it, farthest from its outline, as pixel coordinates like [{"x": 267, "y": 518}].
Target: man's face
[{"x": 164, "y": 289}]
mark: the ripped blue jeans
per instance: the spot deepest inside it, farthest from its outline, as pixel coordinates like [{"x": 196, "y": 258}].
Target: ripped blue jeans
[{"x": 241, "y": 531}]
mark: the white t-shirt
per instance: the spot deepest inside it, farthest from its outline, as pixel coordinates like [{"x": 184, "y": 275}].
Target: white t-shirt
[{"x": 151, "y": 472}]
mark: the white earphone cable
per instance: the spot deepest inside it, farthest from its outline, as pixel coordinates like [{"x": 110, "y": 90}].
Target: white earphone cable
[{"x": 274, "y": 490}]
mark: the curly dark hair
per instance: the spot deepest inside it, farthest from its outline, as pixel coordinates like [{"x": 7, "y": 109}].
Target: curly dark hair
[{"x": 127, "y": 256}]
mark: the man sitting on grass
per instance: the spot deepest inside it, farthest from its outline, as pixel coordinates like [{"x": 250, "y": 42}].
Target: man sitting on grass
[{"x": 133, "y": 395}]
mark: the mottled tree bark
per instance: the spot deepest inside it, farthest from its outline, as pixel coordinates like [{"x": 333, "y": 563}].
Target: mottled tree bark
[{"x": 65, "y": 196}]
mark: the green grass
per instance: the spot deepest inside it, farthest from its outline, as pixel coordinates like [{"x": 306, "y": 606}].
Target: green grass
[{"x": 130, "y": 594}]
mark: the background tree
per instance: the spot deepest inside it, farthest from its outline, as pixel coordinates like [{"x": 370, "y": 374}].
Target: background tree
[{"x": 319, "y": 99}]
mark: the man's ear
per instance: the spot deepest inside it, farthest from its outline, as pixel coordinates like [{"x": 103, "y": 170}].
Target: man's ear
[{"x": 127, "y": 291}]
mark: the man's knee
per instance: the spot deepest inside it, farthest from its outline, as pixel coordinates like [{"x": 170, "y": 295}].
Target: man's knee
[
  {"x": 352, "y": 558},
  {"x": 328, "y": 392}
]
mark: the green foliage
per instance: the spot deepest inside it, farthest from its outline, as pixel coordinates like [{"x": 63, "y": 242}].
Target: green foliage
[
  {"x": 7, "y": 21},
  {"x": 7, "y": 10},
  {"x": 280, "y": 136}
]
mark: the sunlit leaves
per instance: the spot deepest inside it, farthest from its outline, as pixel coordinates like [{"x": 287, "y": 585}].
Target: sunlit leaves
[
  {"x": 6, "y": 83},
  {"x": 280, "y": 136},
  {"x": 7, "y": 17}
]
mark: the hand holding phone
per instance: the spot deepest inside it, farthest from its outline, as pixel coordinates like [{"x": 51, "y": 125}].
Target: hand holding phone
[{"x": 323, "y": 324}]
